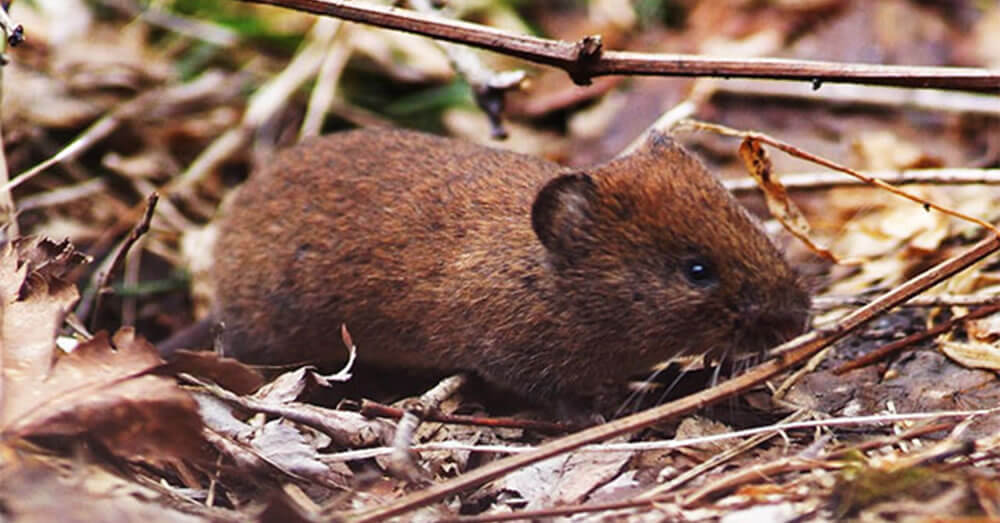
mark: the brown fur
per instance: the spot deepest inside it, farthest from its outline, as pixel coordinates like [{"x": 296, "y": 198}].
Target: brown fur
[{"x": 441, "y": 254}]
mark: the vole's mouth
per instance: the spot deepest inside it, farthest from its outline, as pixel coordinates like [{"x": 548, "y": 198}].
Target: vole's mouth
[{"x": 770, "y": 329}]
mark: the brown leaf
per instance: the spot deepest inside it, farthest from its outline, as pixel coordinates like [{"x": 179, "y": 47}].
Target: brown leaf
[
  {"x": 973, "y": 354},
  {"x": 778, "y": 203},
  {"x": 102, "y": 389},
  {"x": 34, "y": 302},
  {"x": 230, "y": 373},
  {"x": 38, "y": 491}
]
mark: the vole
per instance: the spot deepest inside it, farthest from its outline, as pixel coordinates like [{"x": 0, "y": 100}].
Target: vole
[{"x": 546, "y": 281}]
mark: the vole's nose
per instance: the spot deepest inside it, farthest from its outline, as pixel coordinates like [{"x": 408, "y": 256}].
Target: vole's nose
[{"x": 768, "y": 325}]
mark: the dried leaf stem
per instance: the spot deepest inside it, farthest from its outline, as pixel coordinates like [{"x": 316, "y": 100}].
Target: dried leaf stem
[
  {"x": 819, "y": 160},
  {"x": 140, "y": 228},
  {"x": 790, "y": 354},
  {"x": 827, "y": 180},
  {"x": 586, "y": 58}
]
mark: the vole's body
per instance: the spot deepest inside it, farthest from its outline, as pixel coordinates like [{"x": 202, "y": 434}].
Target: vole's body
[{"x": 442, "y": 254}]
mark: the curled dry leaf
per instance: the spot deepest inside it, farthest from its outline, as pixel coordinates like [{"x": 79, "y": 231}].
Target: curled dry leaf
[
  {"x": 102, "y": 389},
  {"x": 973, "y": 354},
  {"x": 778, "y": 203}
]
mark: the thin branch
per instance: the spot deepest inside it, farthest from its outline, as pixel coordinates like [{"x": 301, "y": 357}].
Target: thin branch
[
  {"x": 720, "y": 458},
  {"x": 789, "y": 355},
  {"x": 673, "y": 444},
  {"x": 889, "y": 348},
  {"x": 940, "y": 300},
  {"x": 205, "y": 31},
  {"x": 372, "y": 409},
  {"x": 140, "y": 228},
  {"x": 402, "y": 463},
  {"x": 263, "y": 104},
  {"x": 163, "y": 101},
  {"x": 488, "y": 87},
  {"x": 63, "y": 195},
  {"x": 825, "y": 180},
  {"x": 14, "y": 34},
  {"x": 934, "y": 100},
  {"x": 321, "y": 98},
  {"x": 586, "y": 59},
  {"x": 635, "y": 503}
]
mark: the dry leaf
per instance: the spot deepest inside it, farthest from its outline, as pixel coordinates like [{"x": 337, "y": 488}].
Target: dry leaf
[
  {"x": 102, "y": 389},
  {"x": 778, "y": 203},
  {"x": 973, "y": 354},
  {"x": 72, "y": 492},
  {"x": 884, "y": 151},
  {"x": 564, "y": 479}
]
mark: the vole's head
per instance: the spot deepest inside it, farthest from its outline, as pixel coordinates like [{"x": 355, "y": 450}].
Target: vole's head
[{"x": 653, "y": 252}]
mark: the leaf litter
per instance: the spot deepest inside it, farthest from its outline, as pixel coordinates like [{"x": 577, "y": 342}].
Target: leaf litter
[{"x": 108, "y": 413}]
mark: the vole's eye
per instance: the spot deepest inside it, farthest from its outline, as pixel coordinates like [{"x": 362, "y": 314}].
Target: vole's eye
[{"x": 700, "y": 272}]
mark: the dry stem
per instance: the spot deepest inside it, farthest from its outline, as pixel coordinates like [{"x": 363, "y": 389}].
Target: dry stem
[
  {"x": 586, "y": 59},
  {"x": 827, "y": 180},
  {"x": 140, "y": 228},
  {"x": 897, "y": 345}
]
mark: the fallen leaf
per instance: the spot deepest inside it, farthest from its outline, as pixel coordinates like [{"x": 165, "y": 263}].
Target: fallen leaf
[
  {"x": 778, "y": 203},
  {"x": 973, "y": 354},
  {"x": 102, "y": 388}
]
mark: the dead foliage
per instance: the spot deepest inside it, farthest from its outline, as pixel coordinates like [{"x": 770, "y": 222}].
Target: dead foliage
[{"x": 106, "y": 102}]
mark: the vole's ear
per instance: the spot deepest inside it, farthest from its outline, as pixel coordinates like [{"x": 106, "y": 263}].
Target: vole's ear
[{"x": 562, "y": 214}]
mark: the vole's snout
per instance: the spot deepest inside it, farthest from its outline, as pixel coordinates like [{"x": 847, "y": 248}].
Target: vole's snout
[{"x": 767, "y": 325}]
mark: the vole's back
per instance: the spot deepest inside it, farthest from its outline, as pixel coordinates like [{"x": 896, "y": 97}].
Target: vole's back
[{"x": 397, "y": 234}]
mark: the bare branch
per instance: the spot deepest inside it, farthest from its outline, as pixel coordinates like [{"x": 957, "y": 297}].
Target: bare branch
[
  {"x": 140, "y": 228},
  {"x": 586, "y": 59},
  {"x": 828, "y": 180}
]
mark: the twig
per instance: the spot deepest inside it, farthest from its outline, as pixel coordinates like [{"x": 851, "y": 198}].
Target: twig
[
  {"x": 900, "y": 344},
  {"x": 662, "y": 445},
  {"x": 488, "y": 87},
  {"x": 818, "y": 181},
  {"x": 401, "y": 461},
  {"x": 791, "y": 353},
  {"x": 867, "y": 95},
  {"x": 175, "y": 96},
  {"x": 322, "y": 96},
  {"x": 93, "y": 134},
  {"x": 63, "y": 195},
  {"x": 374, "y": 409},
  {"x": 900, "y": 294},
  {"x": 199, "y": 29},
  {"x": 586, "y": 59},
  {"x": 6, "y": 198},
  {"x": 345, "y": 428},
  {"x": 719, "y": 458},
  {"x": 940, "y": 300},
  {"x": 756, "y": 472},
  {"x": 805, "y": 155},
  {"x": 12, "y": 30},
  {"x": 140, "y": 228},
  {"x": 264, "y": 103}
]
